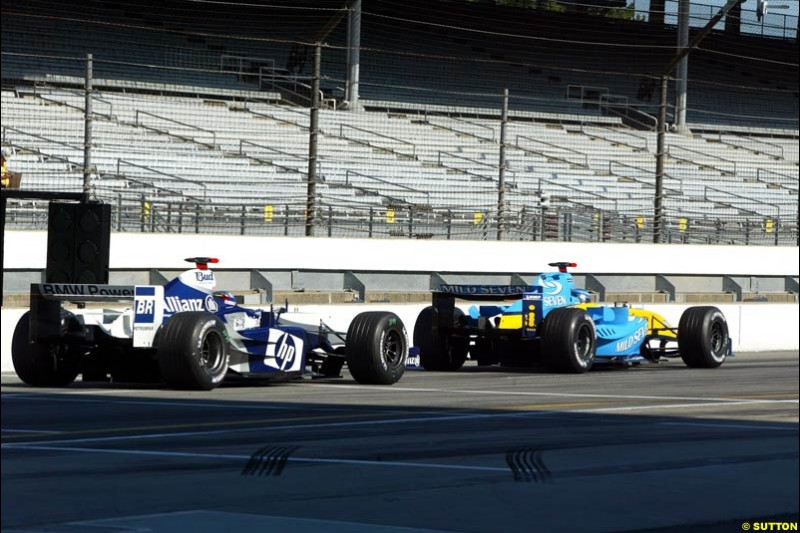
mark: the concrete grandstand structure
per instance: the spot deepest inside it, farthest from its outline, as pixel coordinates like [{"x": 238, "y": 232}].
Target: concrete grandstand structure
[{"x": 200, "y": 130}]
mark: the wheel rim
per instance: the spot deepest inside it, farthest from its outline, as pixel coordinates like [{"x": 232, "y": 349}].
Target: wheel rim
[
  {"x": 212, "y": 352},
  {"x": 583, "y": 346},
  {"x": 391, "y": 350},
  {"x": 717, "y": 340}
]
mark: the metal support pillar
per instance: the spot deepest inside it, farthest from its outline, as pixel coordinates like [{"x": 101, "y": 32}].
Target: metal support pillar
[
  {"x": 87, "y": 129},
  {"x": 660, "y": 148},
  {"x": 683, "y": 67},
  {"x": 353, "y": 54},
  {"x": 662, "y": 114},
  {"x": 501, "y": 184},
  {"x": 311, "y": 197}
]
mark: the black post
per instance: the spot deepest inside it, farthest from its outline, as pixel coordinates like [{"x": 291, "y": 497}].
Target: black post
[
  {"x": 449, "y": 223},
  {"x": 371, "y": 221},
  {"x": 311, "y": 197}
]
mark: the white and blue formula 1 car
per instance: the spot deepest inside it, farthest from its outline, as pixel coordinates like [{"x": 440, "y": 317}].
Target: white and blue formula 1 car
[
  {"x": 553, "y": 323},
  {"x": 190, "y": 336}
]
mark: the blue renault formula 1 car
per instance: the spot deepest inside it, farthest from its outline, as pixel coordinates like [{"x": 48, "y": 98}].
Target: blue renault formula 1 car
[
  {"x": 553, "y": 323},
  {"x": 191, "y": 336}
]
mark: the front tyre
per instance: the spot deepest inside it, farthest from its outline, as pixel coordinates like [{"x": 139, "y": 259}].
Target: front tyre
[
  {"x": 703, "y": 337},
  {"x": 377, "y": 348},
  {"x": 569, "y": 340},
  {"x": 193, "y": 351},
  {"x": 42, "y": 364}
]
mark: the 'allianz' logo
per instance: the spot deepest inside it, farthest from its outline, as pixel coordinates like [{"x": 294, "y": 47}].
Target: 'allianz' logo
[{"x": 173, "y": 304}]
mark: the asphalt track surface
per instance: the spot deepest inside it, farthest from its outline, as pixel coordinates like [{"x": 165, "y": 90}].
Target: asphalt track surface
[{"x": 662, "y": 448}]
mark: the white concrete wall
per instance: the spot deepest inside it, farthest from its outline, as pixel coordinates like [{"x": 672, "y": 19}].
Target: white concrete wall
[
  {"x": 27, "y": 250},
  {"x": 754, "y": 327}
]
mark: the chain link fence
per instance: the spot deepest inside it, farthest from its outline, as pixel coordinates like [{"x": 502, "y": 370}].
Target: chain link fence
[{"x": 195, "y": 130}]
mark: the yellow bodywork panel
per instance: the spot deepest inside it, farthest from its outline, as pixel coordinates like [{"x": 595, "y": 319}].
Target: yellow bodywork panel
[
  {"x": 510, "y": 322},
  {"x": 656, "y": 324}
]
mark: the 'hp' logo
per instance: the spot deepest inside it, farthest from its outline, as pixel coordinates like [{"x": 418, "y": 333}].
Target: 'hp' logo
[{"x": 285, "y": 351}]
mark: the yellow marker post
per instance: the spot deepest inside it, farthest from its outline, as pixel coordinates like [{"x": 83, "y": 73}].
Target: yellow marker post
[
  {"x": 390, "y": 216},
  {"x": 269, "y": 213},
  {"x": 478, "y": 218}
]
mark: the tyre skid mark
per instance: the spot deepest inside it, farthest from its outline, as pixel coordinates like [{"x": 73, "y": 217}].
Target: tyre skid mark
[
  {"x": 527, "y": 466},
  {"x": 269, "y": 460}
]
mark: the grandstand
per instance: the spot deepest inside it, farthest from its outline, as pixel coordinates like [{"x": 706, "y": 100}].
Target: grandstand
[{"x": 200, "y": 121}]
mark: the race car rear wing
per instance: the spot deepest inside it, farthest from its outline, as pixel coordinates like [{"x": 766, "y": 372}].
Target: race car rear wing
[
  {"x": 79, "y": 293},
  {"x": 484, "y": 292},
  {"x": 47, "y": 299}
]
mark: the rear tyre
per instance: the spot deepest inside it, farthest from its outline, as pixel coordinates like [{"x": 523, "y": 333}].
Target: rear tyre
[
  {"x": 703, "y": 337},
  {"x": 193, "y": 351},
  {"x": 440, "y": 352},
  {"x": 377, "y": 348},
  {"x": 569, "y": 340},
  {"x": 42, "y": 364}
]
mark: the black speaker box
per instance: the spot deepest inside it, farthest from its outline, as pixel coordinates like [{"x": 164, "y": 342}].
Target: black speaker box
[{"x": 78, "y": 240}]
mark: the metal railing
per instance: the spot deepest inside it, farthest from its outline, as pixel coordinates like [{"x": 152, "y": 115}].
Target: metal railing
[
  {"x": 760, "y": 172},
  {"x": 763, "y": 147},
  {"x": 388, "y": 183},
  {"x": 478, "y": 162},
  {"x": 580, "y": 155},
  {"x": 571, "y": 220},
  {"x": 164, "y": 175},
  {"x": 649, "y": 181},
  {"x": 403, "y": 142},
  {"x": 644, "y": 144},
  {"x": 731, "y": 171},
  {"x": 213, "y": 134},
  {"x": 457, "y": 131}
]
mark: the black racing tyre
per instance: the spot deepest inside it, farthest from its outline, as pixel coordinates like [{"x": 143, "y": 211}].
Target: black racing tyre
[
  {"x": 376, "y": 348},
  {"x": 42, "y": 364},
  {"x": 440, "y": 352},
  {"x": 703, "y": 337},
  {"x": 193, "y": 351},
  {"x": 569, "y": 340}
]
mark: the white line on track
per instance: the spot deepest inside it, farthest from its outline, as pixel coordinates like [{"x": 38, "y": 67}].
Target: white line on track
[
  {"x": 730, "y": 403},
  {"x": 246, "y": 457},
  {"x": 71, "y": 392},
  {"x": 185, "y": 403},
  {"x": 43, "y": 432},
  {"x": 732, "y": 426},
  {"x": 528, "y": 393},
  {"x": 173, "y": 435},
  {"x": 385, "y": 422}
]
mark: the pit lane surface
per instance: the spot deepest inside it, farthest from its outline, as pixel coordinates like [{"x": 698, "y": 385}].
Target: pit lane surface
[{"x": 660, "y": 447}]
